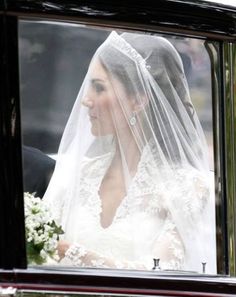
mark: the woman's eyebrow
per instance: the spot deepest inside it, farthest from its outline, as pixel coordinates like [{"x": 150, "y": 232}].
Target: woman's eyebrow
[{"x": 94, "y": 80}]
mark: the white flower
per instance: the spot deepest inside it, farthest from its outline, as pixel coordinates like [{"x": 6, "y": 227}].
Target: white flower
[{"x": 42, "y": 233}]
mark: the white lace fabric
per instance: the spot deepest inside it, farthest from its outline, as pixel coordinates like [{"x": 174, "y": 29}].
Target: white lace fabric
[{"x": 143, "y": 219}]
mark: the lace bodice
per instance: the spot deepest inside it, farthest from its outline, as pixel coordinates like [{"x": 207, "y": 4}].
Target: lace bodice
[{"x": 144, "y": 225}]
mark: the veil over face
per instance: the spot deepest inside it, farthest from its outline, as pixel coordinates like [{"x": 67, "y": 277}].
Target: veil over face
[{"x": 135, "y": 101}]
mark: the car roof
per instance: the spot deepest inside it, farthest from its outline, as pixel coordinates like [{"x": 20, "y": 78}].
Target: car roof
[{"x": 223, "y": 2}]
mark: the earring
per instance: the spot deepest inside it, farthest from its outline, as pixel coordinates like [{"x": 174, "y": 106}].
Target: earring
[{"x": 132, "y": 119}]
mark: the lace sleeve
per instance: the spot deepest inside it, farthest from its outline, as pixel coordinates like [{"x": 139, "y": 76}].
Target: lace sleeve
[
  {"x": 79, "y": 256},
  {"x": 168, "y": 247}
]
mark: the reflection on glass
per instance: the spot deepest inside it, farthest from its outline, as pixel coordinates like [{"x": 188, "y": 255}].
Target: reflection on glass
[{"x": 132, "y": 182}]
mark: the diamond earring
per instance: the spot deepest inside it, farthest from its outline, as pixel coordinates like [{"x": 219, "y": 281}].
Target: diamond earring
[{"x": 132, "y": 119}]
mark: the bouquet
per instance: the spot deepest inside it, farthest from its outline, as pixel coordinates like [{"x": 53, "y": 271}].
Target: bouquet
[{"x": 42, "y": 232}]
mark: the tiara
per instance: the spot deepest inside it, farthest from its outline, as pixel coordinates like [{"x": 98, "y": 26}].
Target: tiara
[{"x": 121, "y": 44}]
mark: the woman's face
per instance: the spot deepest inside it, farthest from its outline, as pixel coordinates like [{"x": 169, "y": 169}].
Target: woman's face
[{"x": 107, "y": 102}]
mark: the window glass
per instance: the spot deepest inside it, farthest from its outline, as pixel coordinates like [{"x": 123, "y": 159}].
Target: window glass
[{"x": 118, "y": 146}]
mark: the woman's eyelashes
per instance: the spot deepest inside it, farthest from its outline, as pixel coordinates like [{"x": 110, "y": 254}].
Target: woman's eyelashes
[{"x": 97, "y": 86}]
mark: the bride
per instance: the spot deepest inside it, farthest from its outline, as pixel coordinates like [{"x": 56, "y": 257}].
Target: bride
[{"x": 132, "y": 181}]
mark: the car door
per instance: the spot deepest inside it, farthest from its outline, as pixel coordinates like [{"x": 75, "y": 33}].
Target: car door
[{"x": 45, "y": 52}]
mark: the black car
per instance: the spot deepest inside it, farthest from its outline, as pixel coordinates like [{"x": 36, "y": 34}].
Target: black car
[{"x": 45, "y": 51}]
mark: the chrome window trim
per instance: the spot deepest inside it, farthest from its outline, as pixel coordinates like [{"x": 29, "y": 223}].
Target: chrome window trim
[
  {"x": 214, "y": 50},
  {"x": 229, "y": 78}
]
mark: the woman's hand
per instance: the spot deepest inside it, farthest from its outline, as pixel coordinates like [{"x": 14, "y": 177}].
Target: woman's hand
[{"x": 62, "y": 247}]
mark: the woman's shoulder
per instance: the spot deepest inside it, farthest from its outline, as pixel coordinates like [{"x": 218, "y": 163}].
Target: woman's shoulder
[
  {"x": 183, "y": 175},
  {"x": 184, "y": 186},
  {"x": 193, "y": 185}
]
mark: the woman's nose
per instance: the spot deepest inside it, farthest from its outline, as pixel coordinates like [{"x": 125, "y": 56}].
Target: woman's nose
[{"x": 86, "y": 101}]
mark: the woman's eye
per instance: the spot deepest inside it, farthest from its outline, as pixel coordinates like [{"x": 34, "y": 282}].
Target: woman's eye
[{"x": 98, "y": 88}]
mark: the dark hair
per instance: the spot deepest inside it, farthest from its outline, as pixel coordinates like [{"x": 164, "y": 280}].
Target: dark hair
[
  {"x": 159, "y": 54},
  {"x": 167, "y": 70}
]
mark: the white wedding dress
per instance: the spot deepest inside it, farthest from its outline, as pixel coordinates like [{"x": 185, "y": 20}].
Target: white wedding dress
[
  {"x": 144, "y": 225},
  {"x": 136, "y": 96}
]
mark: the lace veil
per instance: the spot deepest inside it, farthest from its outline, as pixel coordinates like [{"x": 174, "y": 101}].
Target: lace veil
[{"x": 135, "y": 98}]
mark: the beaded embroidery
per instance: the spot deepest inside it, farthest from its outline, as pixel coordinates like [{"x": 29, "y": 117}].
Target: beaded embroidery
[{"x": 75, "y": 253}]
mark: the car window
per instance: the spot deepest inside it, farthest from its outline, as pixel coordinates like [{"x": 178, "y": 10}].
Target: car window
[{"x": 117, "y": 148}]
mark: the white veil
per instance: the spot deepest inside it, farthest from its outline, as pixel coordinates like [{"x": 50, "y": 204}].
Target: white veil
[{"x": 146, "y": 106}]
